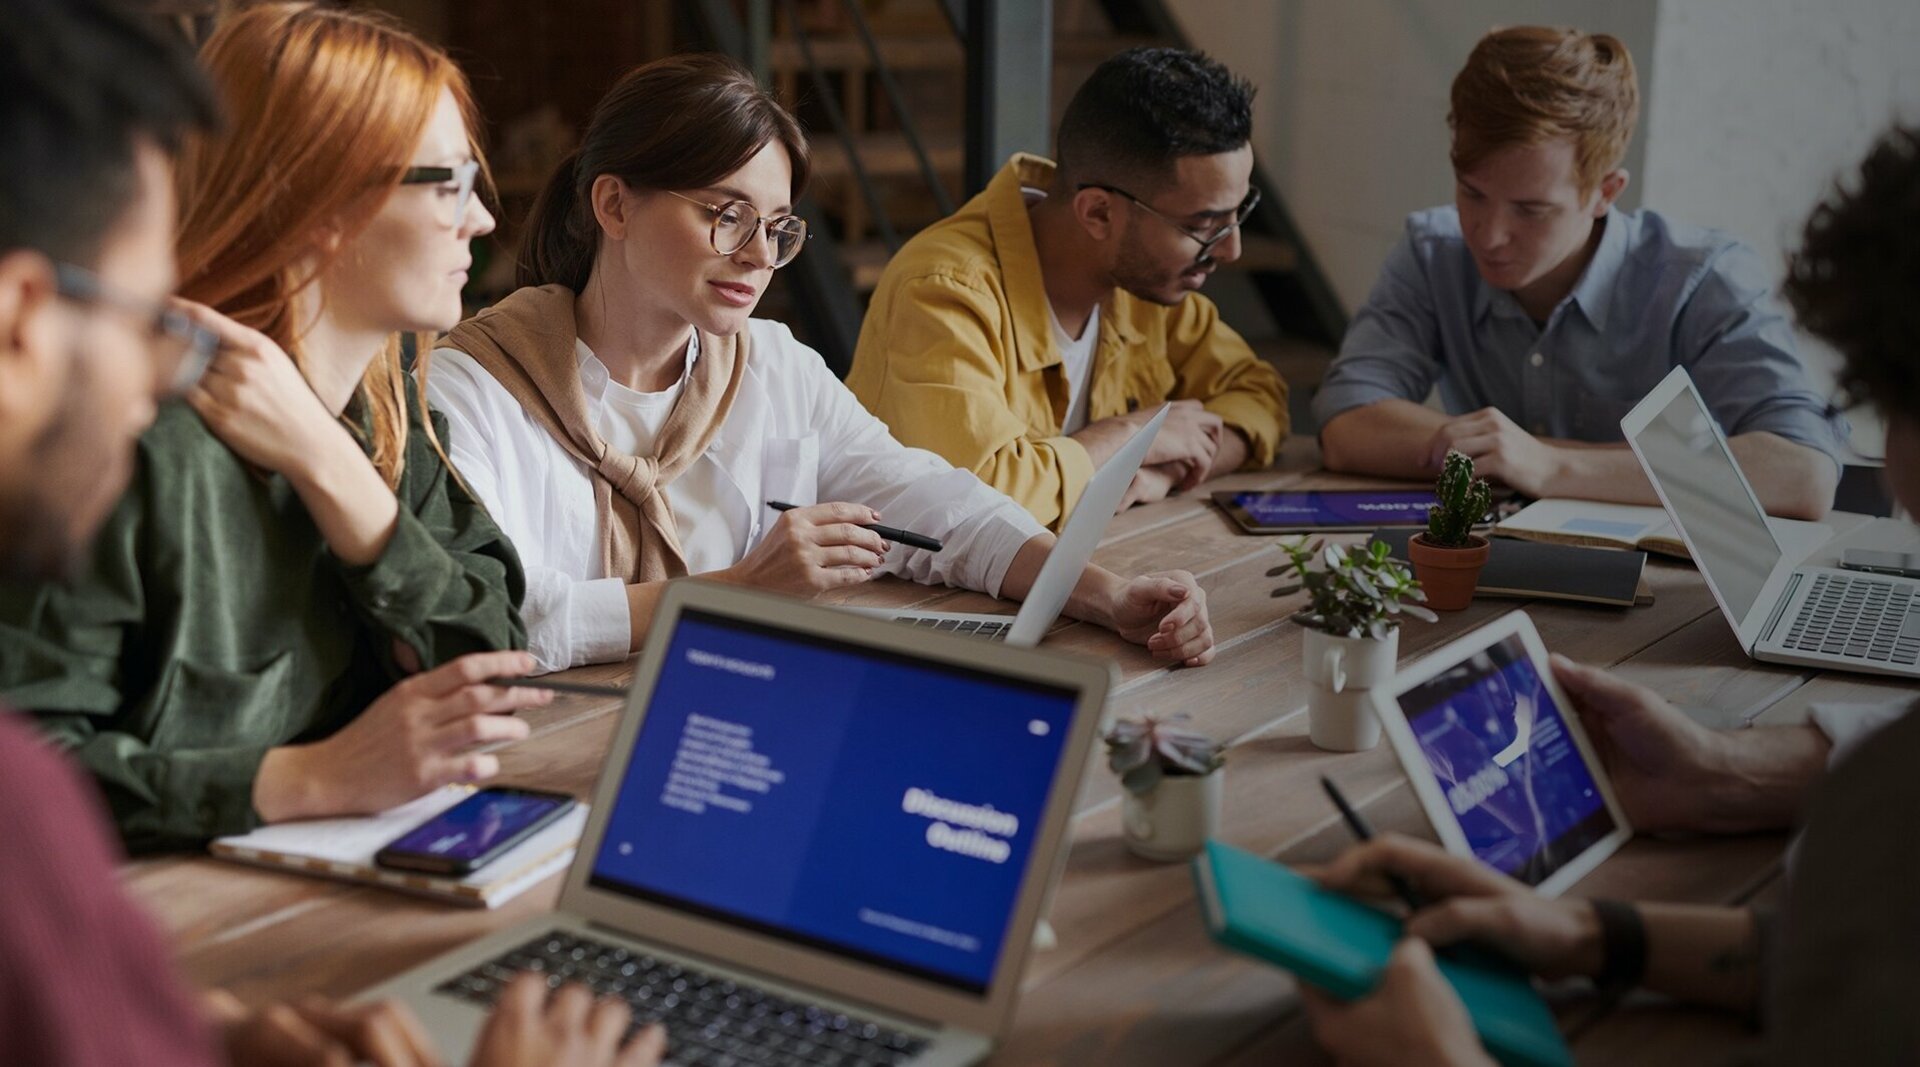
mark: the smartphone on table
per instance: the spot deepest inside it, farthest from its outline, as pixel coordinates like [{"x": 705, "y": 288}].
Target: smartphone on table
[{"x": 474, "y": 832}]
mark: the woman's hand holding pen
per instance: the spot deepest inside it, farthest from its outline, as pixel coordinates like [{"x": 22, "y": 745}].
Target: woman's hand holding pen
[{"x": 809, "y": 550}]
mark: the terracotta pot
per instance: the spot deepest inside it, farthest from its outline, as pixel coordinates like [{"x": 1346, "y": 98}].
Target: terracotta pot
[{"x": 1448, "y": 575}]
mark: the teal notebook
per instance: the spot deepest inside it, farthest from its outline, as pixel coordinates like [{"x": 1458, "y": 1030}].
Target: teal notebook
[{"x": 1340, "y": 945}]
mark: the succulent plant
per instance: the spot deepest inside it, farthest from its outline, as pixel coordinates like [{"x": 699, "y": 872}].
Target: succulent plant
[
  {"x": 1359, "y": 592},
  {"x": 1464, "y": 501},
  {"x": 1142, "y": 751}
]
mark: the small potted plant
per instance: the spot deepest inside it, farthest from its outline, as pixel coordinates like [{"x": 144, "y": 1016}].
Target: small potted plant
[
  {"x": 1355, "y": 600},
  {"x": 1172, "y": 781},
  {"x": 1447, "y": 558}
]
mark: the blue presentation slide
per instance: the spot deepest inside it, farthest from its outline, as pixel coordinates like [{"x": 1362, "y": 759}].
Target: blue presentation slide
[
  {"x": 841, "y": 797},
  {"x": 1346, "y": 508},
  {"x": 1497, "y": 743}
]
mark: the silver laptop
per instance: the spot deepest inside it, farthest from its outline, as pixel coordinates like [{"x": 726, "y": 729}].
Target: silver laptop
[
  {"x": 1783, "y": 608},
  {"x": 1064, "y": 565},
  {"x": 816, "y": 840}
]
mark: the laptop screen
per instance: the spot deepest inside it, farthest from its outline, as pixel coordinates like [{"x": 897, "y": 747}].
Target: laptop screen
[
  {"x": 1710, "y": 501},
  {"x": 842, "y": 797}
]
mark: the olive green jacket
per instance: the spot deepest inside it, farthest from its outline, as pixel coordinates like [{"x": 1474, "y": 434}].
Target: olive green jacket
[{"x": 210, "y": 623}]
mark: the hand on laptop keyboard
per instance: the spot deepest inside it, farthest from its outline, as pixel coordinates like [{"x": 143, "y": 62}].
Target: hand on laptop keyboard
[{"x": 569, "y": 1029}]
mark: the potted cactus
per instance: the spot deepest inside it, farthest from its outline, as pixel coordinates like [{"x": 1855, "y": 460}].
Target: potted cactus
[
  {"x": 1356, "y": 598},
  {"x": 1172, "y": 780},
  {"x": 1448, "y": 557}
]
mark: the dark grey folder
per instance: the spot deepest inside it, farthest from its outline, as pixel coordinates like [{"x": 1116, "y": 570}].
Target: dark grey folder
[{"x": 1530, "y": 569}]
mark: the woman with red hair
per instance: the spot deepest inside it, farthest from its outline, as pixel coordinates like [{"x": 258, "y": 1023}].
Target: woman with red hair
[{"x": 241, "y": 647}]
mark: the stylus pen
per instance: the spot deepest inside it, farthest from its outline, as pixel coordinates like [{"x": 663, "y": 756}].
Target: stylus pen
[
  {"x": 581, "y": 688},
  {"x": 1361, "y": 830},
  {"x": 904, "y": 537}
]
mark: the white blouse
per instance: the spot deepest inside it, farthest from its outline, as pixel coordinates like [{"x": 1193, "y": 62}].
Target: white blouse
[{"x": 794, "y": 433}]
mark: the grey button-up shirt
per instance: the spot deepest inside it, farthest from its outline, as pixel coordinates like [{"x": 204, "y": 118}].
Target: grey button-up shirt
[{"x": 1655, "y": 295}]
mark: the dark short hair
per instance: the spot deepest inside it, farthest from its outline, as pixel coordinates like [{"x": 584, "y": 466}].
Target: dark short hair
[
  {"x": 1855, "y": 282},
  {"x": 80, "y": 81},
  {"x": 1145, "y": 108},
  {"x": 683, "y": 122}
]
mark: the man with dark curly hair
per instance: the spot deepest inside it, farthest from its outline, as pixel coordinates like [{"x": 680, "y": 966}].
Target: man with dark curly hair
[
  {"x": 1029, "y": 335},
  {"x": 1834, "y": 971}
]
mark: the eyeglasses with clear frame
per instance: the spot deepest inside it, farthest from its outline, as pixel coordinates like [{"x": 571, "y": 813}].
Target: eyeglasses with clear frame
[
  {"x": 182, "y": 348},
  {"x": 735, "y": 222},
  {"x": 1207, "y": 239},
  {"x": 462, "y": 175}
]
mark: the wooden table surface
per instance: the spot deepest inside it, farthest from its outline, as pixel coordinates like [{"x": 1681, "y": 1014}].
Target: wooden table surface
[{"x": 1134, "y": 978}]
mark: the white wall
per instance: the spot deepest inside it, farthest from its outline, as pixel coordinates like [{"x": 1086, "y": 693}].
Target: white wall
[
  {"x": 1351, "y": 118},
  {"x": 1760, "y": 104}
]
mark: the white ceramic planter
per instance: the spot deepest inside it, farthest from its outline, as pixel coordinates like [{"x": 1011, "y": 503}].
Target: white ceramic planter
[
  {"x": 1173, "y": 819},
  {"x": 1339, "y": 672}
]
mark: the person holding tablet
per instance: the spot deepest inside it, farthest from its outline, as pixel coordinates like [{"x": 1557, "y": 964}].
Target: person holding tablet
[
  {"x": 1834, "y": 971},
  {"x": 627, "y": 421},
  {"x": 1543, "y": 313}
]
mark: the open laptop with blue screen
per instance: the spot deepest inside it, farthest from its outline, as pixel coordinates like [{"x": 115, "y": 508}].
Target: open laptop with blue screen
[{"x": 816, "y": 839}]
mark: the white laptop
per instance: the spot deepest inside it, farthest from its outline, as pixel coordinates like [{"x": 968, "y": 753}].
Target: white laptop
[
  {"x": 1782, "y": 608},
  {"x": 1064, "y": 565},
  {"x": 817, "y": 839}
]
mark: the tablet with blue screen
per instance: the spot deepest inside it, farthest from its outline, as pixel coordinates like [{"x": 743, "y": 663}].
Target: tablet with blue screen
[
  {"x": 1325, "y": 510},
  {"x": 1498, "y": 759}
]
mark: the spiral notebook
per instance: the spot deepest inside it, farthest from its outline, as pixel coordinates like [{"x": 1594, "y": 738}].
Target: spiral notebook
[{"x": 343, "y": 849}]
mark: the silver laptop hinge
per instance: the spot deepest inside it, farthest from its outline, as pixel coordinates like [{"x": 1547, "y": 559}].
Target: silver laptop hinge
[{"x": 1780, "y": 607}]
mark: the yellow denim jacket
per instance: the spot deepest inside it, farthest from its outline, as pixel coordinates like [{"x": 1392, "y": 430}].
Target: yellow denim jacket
[{"x": 957, "y": 355}]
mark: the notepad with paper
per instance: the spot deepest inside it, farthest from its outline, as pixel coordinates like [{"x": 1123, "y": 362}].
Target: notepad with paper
[
  {"x": 1601, "y": 525},
  {"x": 344, "y": 849},
  {"x": 1339, "y": 945}
]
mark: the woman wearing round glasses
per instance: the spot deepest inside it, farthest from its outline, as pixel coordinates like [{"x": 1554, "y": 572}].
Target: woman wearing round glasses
[{"x": 628, "y": 421}]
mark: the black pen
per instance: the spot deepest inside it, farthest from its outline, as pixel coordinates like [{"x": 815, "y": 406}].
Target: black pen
[
  {"x": 579, "y": 688},
  {"x": 904, "y": 537},
  {"x": 1365, "y": 833}
]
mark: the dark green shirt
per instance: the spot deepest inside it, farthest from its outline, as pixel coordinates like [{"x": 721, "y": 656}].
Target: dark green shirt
[{"x": 211, "y": 623}]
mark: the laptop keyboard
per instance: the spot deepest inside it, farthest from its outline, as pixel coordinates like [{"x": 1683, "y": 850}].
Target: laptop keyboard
[
  {"x": 992, "y": 631},
  {"x": 710, "y": 1021},
  {"x": 1859, "y": 618}
]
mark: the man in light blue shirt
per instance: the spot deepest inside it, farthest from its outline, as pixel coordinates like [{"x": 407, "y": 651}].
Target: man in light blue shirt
[{"x": 1543, "y": 313}]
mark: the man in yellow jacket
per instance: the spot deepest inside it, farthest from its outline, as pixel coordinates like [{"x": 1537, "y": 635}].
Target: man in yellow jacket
[{"x": 1028, "y": 336}]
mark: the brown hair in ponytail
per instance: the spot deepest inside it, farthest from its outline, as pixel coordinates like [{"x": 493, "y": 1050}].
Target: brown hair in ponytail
[{"x": 683, "y": 122}]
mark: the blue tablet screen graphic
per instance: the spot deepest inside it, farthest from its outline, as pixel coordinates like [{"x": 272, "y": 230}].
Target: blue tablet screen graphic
[
  {"x": 847, "y": 798},
  {"x": 1338, "y": 508},
  {"x": 471, "y": 828},
  {"x": 1497, "y": 743}
]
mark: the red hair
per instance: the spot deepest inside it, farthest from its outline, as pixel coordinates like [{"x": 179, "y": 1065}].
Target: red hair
[
  {"x": 324, "y": 109},
  {"x": 1530, "y": 84}
]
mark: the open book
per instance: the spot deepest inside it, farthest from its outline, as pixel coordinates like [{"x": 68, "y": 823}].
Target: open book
[
  {"x": 344, "y": 849},
  {"x": 1598, "y": 525}
]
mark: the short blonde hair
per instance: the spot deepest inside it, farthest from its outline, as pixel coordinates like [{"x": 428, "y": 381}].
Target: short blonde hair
[{"x": 1527, "y": 85}]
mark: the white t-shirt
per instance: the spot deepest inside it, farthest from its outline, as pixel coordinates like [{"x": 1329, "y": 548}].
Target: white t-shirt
[
  {"x": 629, "y": 421},
  {"x": 1076, "y": 359},
  {"x": 1076, "y": 353}
]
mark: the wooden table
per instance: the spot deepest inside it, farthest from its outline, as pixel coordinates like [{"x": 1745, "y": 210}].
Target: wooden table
[{"x": 1134, "y": 978}]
